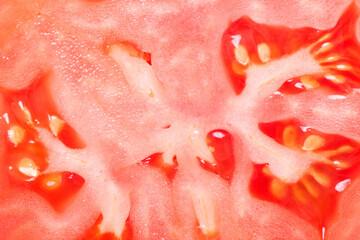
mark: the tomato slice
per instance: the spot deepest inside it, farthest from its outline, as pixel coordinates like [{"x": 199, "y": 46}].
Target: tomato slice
[{"x": 169, "y": 120}]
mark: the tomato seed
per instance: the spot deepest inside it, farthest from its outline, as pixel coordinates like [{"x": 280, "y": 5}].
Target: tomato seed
[
  {"x": 51, "y": 181},
  {"x": 16, "y": 134},
  {"x": 56, "y": 125},
  {"x": 324, "y": 48},
  {"x": 290, "y": 136},
  {"x": 309, "y": 82},
  {"x": 313, "y": 142},
  {"x": 278, "y": 189},
  {"x": 264, "y": 52},
  {"x": 28, "y": 167},
  {"x": 310, "y": 187},
  {"x": 320, "y": 177},
  {"x": 242, "y": 55},
  {"x": 337, "y": 79}
]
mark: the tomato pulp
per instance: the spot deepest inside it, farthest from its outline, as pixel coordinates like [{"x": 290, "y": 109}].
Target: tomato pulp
[{"x": 169, "y": 121}]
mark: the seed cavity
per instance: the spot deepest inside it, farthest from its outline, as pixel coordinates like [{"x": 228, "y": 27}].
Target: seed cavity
[
  {"x": 242, "y": 55},
  {"x": 28, "y": 167},
  {"x": 313, "y": 142},
  {"x": 264, "y": 52},
  {"x": 289, "y": 136},
  {"x": 56, "y": 125},
  {"x": 16, "y": 134}
]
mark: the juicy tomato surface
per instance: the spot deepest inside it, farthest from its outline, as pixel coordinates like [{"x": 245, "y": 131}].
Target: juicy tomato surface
[{"x": 207, "y": 119}]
